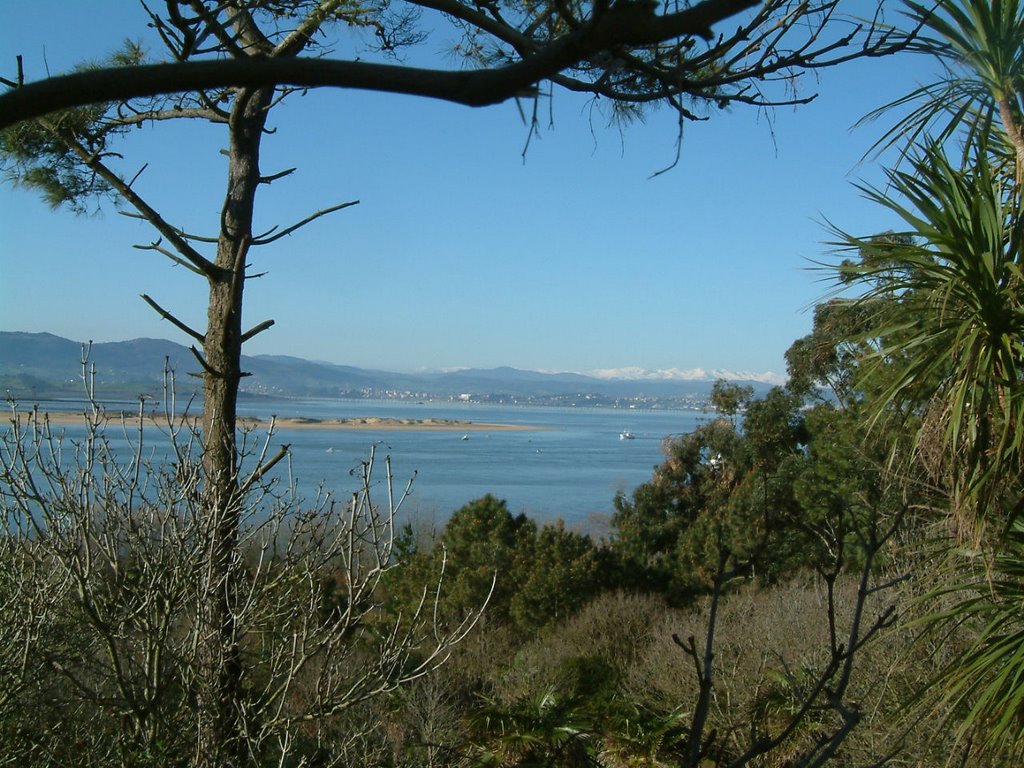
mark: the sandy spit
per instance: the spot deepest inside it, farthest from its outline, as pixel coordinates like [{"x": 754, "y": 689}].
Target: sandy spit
[{"x": 298, "y": 422}]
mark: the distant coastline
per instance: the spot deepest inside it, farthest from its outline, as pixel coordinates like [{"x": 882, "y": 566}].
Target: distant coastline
[
  {"x": 368, "y": 423},
  {"x": 41, "y": 366},
  {"x": 385, "y": 424}
]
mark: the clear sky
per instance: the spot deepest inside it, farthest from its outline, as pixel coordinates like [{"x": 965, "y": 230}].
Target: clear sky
[{"x": 460, "y": 253}]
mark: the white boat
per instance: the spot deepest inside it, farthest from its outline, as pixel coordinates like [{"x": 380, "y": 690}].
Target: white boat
[{"x": 626, "y": 435}]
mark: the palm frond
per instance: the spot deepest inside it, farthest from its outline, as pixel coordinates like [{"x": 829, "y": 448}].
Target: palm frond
[
  {"x": 980, "y": 693},
  {"x": 961, "y": 296},
  {"x": 979, "y": 46}
]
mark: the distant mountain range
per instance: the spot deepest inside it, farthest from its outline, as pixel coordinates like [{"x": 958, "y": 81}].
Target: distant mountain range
[{"x": 41, "y": 365}]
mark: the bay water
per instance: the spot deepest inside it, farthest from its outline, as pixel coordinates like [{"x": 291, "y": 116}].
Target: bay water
[{"x": 568, "y": 463}]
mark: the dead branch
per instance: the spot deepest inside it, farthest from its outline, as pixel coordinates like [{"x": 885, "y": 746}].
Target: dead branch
[
  {"x": 256, "y": 329},
  {"x": 275, "y": 176},
  {"x": 298, "y": 225},
  {"x": 174, "y": 321},
  {"x": 156, "y": 246},
  {"x": 94, "y": 163}
]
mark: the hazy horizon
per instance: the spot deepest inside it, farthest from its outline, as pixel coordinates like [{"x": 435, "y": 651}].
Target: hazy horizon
[{"x": 626, "y": 373}]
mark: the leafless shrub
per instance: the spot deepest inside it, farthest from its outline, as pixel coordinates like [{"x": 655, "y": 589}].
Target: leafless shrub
[
  {"x": 103, "y": 581},
  {"x": 425, "y": 721},
  {"x": 759, "y": 630},
  {"x": 774, "y": 647}
]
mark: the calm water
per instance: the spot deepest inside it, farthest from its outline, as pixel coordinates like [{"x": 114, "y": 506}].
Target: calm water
[{"x": 570, "y": 469}]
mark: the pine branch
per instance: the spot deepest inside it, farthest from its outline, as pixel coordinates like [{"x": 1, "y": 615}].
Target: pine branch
[
  {"x": 174, "y": 321},
  {"x": 298, "y": 225},
  {"x": 625, "y": 24},
  {"x": 157, "y": 115},
  {"x": 275, "y": 176},
  {"x": 256, "y": 330},
  {"x": 202, "y": 361},
  {"x": 178, "y": 230},
  {"x": 145, "y": 211},
  {"x": 299, "y": 37},
  {"x": 170, "y": 255}
]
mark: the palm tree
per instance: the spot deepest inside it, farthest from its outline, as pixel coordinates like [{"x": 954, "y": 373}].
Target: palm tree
[
  {"x": 958, "y": 339},
  {"x": 547, "y": 730},
  {"x": 980, "y": 95},
  {"x": 957, "y": 274},
  {"x": 979, "y": 693}
]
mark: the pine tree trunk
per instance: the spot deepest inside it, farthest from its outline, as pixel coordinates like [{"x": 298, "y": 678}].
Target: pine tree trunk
[{"x": 220, "y": 674}]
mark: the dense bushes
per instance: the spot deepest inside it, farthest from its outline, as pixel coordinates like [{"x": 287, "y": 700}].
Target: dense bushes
[
  {"x": 527, "y": 577},
  {"x": 746, "y": 574},
  {"x": 742, "y": 611}
]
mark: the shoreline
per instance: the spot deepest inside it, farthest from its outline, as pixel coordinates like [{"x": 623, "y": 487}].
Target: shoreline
[{"x": 364, "y": 423}]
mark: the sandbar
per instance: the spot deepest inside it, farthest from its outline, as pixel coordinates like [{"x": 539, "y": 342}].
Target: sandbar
[
  {"x": 375, "y": 423},
  {"x": 384, "y": 423}
]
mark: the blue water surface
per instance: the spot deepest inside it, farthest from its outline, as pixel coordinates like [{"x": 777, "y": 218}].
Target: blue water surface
[{"x": 569, "y": 465}]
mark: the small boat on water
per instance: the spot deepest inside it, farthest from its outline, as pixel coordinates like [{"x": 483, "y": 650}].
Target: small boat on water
[
  {"x": 626, "y": 435},
  {"x": 465, "y": 437}
]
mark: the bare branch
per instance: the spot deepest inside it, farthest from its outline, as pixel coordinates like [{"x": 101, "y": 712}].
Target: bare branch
[
  {"x": 147, "y": 116},
  {"x": 263, "y": 468},
  {"x": 180, "y": 232},
  {"x": 705, "y": 665},
  {"x": 202, "y": 361},
  {"x": 135, "y": 200},
  {"x": 138, "y": 173},
  {"x": 275, "y": 176},
  {"x": 304, "y": 222},
  {"x": 256, "y": 330},
  {"x": 170, "y": 255},
  {"x": 174, "y": 321},
  {"x": 300, "y": 37}
]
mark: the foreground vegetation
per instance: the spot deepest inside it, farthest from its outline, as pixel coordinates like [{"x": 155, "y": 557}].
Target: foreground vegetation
[
  {"x": 806, "y": 580},
  {"x": 754, "y": 605}
]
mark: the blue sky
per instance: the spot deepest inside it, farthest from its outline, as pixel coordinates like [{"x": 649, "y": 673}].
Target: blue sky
[{"x": 460, "y": 253}]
